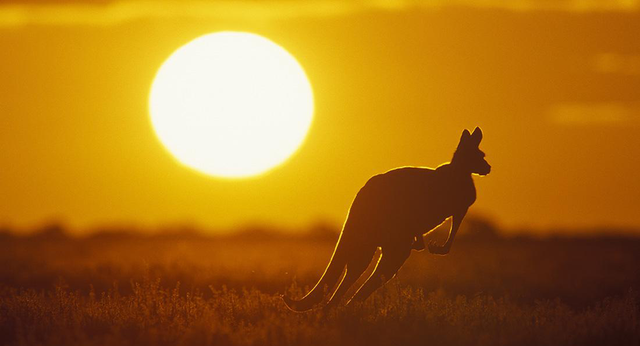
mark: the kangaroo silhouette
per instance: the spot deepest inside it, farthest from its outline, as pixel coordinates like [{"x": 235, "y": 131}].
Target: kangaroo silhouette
[{"x": 392, "y": 211}]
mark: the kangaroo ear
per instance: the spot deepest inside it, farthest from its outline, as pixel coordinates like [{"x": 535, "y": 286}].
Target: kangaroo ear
[
  {"x": 465, "y": 136},
  {"x": 476, "y": 136},
  {"x": 464, "y": 139}
]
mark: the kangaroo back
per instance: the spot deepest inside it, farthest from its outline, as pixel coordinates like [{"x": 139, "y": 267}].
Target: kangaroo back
[{"x": 330, "y": 277}]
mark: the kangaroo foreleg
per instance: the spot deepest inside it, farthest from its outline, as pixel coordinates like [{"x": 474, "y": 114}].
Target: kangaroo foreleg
[
  {"x": 455, "y": 225},
  {"x": 418, "y": 243}
]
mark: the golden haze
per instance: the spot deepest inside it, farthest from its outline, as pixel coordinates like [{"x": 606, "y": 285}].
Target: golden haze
[{"x": 556, "y": 93}]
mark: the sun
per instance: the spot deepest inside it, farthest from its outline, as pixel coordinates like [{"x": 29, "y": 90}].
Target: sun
[{"x": 231, "y": 104}]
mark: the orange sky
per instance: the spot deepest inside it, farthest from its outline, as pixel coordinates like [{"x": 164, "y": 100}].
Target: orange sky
[{"x": 556, "y": 89}]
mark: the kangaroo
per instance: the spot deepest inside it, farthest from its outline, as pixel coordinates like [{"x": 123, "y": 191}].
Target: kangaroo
[{"x": 392, "y": 211}]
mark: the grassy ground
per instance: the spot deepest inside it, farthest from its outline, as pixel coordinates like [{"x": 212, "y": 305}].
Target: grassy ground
[{"x": 132, "y": 290}]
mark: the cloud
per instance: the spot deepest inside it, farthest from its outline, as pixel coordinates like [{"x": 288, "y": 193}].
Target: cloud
[
  {"x": 109, "y": 13},
  {"x": 594, "y": 114},
  {"x": 613, "y": 63}
]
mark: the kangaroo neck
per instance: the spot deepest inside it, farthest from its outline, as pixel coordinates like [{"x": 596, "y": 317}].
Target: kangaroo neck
[
  {"x": 458, "y": 182},
  {"x": 457, "y": 171}
]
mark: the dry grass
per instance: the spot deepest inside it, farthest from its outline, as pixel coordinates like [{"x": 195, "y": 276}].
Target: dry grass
[{"x": 200, "y": 291}]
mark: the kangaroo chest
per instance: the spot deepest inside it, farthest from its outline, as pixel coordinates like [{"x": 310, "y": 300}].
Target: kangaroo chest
[{"x": 440, "y": 200}]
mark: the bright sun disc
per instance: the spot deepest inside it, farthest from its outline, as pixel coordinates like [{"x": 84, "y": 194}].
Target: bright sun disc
[{"x": 231, "y": 104}]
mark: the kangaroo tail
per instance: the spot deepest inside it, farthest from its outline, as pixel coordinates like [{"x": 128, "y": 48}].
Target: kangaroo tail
[{"x": 329, "y": 278}]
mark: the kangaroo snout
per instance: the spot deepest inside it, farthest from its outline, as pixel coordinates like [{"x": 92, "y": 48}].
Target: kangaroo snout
[{"x": 486, "y": 169}]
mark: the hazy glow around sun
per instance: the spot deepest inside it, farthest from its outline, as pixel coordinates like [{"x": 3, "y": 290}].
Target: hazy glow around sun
[{"x": 231, "y": 104}]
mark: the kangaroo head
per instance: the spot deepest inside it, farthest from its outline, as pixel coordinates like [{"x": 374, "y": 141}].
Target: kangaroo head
[{"x": 468, "y": 155}]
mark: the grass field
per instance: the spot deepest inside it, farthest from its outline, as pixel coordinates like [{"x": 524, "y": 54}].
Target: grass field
[{"x": 186, "y": 289}]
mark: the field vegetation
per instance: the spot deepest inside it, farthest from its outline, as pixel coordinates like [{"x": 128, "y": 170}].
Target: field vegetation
[{"x": 185, "y": 288}]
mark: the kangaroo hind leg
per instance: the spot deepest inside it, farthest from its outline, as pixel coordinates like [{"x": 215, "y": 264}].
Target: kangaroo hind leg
[
  {"x": 392, "y": 259},
  {"x": 356, "y": 265}
]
